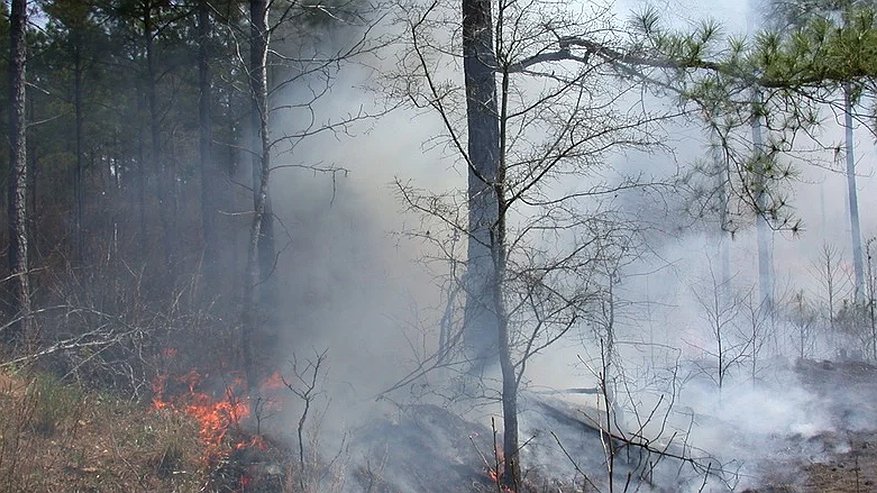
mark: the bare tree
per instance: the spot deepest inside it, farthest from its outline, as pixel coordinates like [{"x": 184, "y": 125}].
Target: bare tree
[
  {"x": 485, "y": 195},
  {"x": 852, "y": 194},
  {"x": 519, "y": 142},
  {"x": 757, "y": 317},
  {"x": 833, "y": 287},
  {"x": 305, "y": 385},
  {"x": 803, "y": 317},
  {"x": 871, "y": 298},
  {"x": 261, "y": 168},
  {"x": 271, "y": 70},
  {"x": 721, "y": 314},
  {"x": 858, "y": 318},
  {"x": 535, "y": 240}
]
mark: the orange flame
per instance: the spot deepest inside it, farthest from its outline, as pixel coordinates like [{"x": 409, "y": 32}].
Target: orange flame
[
  {"x": 257, "y": 442},
  {"x": 495, "y": 472},
  {"x": 215, "y": 416}
]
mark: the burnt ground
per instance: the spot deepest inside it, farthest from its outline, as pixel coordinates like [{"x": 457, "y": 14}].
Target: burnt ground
[
  {"x": 843, "y": 459},
  {"x": 428, "y": 448}
]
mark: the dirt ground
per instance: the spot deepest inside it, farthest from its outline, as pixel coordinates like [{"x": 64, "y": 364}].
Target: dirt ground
[{"x": 839, "y": 461}]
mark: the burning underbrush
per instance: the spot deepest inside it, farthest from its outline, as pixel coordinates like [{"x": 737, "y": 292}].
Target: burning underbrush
[
  {"x": 240, "y": 457},
  {"x": 206, "y": 432},
  {"x": 198, "y": 435}
]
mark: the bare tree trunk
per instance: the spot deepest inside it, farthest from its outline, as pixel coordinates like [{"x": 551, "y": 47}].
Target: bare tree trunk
[
  {"x": 205, "y": 136},
  {"x": 78, "y": 193},
  {"x": 870, "y": 299},
  {"x": 855, "y": 228},
  {"x": 18, "y": 212},
  {"x": 725, "y": 245},
  {"x": 722, "y": 235},
  {"x": 485, "y": 318},
  {"x": 763, "y": 232},
  {"x": 162, "y": 181},
  {"x": 261, "y": 166},
  {"x": 511, "y": 465},
  {"x": 141, "y": 180},
  {"x": 479, "y": 67},
  {"x": 261, "y": 147}
]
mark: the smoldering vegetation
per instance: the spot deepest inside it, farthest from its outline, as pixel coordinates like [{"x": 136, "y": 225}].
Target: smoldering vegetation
[{"x": 664, "y": 274}]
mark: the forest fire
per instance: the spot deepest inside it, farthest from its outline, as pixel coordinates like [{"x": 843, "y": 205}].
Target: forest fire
[
  {"x": 238, "y": 458},
  {"x": 604, "y": 248},
  {"x": 495, "y": 471},
  {"x": 216, "y": 416},
  {"x": 217, "y": 411}
]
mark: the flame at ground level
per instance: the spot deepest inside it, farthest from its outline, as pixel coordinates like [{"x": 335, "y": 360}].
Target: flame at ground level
[{"x": 217, "y": 413}]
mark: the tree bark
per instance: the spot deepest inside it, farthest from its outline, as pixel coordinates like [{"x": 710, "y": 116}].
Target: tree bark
[
  {"x": 763, "y": 232},
  {"x": 78, "y": 192},
  {"x": 33, "y": 172},
  {"x": 723, "y": 237},
  {"x": 205, "y": 145},
  {"x": 479, "y": 67},
  {"x": 261, "y": 144},
  {"x": 18, "y": 184},
  {"x": 855, "y": 228},
  {"x": 486, "y": 324},
  {"x": 163, "y": 183},
  {"x": 260, "y": 227},
  {"x": 141, "y": 182}
]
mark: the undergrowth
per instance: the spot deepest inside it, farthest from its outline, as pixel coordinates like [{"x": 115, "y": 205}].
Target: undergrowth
[{"x": 57, "y": 437}]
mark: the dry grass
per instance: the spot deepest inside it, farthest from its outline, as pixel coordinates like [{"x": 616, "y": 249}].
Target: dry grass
[{"x": 58, "y": 438}]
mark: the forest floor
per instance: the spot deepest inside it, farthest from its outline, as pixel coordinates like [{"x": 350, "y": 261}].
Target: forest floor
[
  {"x": 56, "y": 437},
  {"x": 844, "y": 458}
]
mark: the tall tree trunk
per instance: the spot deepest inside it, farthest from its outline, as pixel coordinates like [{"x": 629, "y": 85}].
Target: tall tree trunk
[
  {"x": 205, "y": 136},
  {"x": 763, "y": 231},
  {"x": 261, "y": 147},
  {"x": 33, "y": 172},
  {"x": 78, "y": 192},
  {"x": 17, "y": 209},
  {"x": 725, "y": 244},
  {"x": 511, "y": 468},
  {"x": 479, "y": 67},
  {"x": 486, "y": 325},
  {"x": 855, "y": 228},
  {"x": 255, "y": 270},
  {"x": 723, "y": 237},
  {"x": 143, "y": 239},
  {"x": 163, "y": 185}
]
